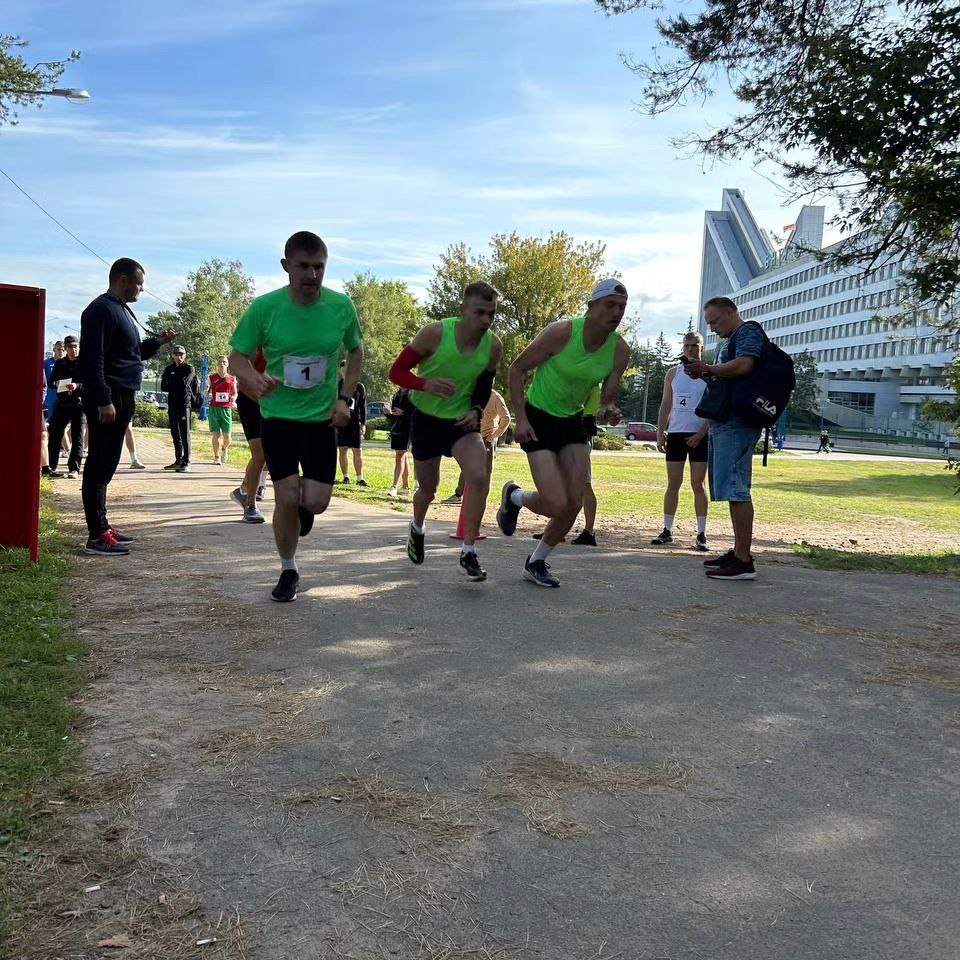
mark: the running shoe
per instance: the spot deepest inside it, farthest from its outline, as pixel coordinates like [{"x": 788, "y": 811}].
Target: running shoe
[
  {"x": 120, "y": 537},
  {"x": 216, "y": 461},
  {"x": 345, "y": 480},
  {"x": 44, "y": 471},
  {"x": 586, "y": 539},
  {"x": 508, "y": 512},
  {"x": 415, "y": 546},
  {"x": 454, "y": 500},
  {"x": 239, "y": 496},
  {"x": 733, "y": 569},
  {"x": 471, "y": 566},
  {"x": 56, "y": 475},
  {"x": 184, "y": 468},
  {"x": 701, "y": 542},
  {"x": 306, "y": 521},
  {"x": 286, "y": 589},
  {"x": 253, "y": 515},
  {"x": 664, "y": 536},
  {"x": 136, "y": 465},
  {"x": 538, "y": 572},
  {"x": 72, "y": 475},
  {"x": 171, "y": 466},
  {"x": 392, "y": 493},
  {"x": 405, "y": 493},
  {"x": 719, "y": 561},
  {"x": 106, "y": 545},
  {"x": 362, "y": 483},
  {"x": 261, "y": 492}
]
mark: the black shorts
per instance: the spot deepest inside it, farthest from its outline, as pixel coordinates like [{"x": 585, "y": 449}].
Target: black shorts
[
  {"x": 553, "y": 433},
  {"x": 249, "y": 412},
  {"x": 678, "y": 451},
  {"x": 400, "y": 441},
  {"x": 433, "y": 437},
  {"x": 290, "y": 445},
  {"x": 349, "y": 436}
]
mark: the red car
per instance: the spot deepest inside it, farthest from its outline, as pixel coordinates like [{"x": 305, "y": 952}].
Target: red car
[{"x": 641, "y": 431}]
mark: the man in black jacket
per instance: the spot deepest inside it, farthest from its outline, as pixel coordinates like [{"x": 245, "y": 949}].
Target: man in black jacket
[
  {"x": 111, "y": 371},
  {"x": 178, "y": 382},
  {"x": 67, "y": 411}
]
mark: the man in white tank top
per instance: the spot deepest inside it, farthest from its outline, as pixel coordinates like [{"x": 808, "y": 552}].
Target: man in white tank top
[{"x": 681, "y": 434}]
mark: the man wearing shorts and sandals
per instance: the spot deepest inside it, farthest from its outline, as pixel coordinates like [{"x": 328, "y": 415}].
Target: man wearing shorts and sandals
[
  {"x": 248, "y": 409},
  {"x": 570, "y": 358},
  {"x": 302, "y": 329},
  {"x": 681, "y": 434},
  {"x": 457, "y": 359},
  {"x": 222, "y": 391}
]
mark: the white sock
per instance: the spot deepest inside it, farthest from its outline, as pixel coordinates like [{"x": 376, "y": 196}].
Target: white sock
[
  {"x": 417, "y": 529},
  {"x": 516, "y": 498},
  {"x": 289, "y": 563},
  {"x": 469, "y": 548},
  {"x": 668, "y": 523},
  {"x": 542, "y": 552},
  {"x": 701, "y": 524}
]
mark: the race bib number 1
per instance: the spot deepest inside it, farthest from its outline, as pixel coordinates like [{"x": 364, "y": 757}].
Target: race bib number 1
[{"x": 302, "y": 373}]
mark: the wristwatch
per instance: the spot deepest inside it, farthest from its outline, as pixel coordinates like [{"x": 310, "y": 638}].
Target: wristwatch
[{"x": 349, "y": 401}]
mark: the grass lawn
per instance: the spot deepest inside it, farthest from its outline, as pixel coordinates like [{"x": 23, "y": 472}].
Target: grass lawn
[
  {"x": 944, "y": 564},
  {"x": 40, "y": 672}
]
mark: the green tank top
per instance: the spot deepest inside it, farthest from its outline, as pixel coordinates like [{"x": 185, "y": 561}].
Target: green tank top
[
  {"x": 448, "y": 363},
  {"x": 591, "y": 406},
  {"x": 562, "y": 385}
]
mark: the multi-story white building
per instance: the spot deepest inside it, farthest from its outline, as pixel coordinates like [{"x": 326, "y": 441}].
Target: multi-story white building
[{"x": 874, "y": 374}]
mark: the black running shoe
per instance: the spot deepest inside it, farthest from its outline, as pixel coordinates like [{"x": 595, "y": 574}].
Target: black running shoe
[
  {"x": 345, "y": 480},
  {"x": 664, "y": 536},
  {"x": 733, "y": 569},
  {"x": 471, "y": 566},
  {"x": 286, "y": 589},
  {"x": 306, "y": 521},
  {"x": 415, "y": 546},
  {"x": 719, "y": 561},
  {"x": 586, "y": 539},
  {"x": 508, "y": 512},
  {"x": 362, "y": 483},
  {"x": 701, "y": 543},
  {"x": 538, "y": 572},
  {"x": 106, "y": 545},
  {"x": 56, "y": 474},
  {"x": 121, "y": 537},
  {"x": 173, "y": 466}
]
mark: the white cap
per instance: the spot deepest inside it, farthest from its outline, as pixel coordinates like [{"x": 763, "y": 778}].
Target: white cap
[{"x": 608, "y": 288}]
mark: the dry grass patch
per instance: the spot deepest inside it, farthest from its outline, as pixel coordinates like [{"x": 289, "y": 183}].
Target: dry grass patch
[
  {"x": 382, "y": 802},
  {"x": 386, "y": 883},
  {"x": 552, "y": 824},
  {"x": 917, "y": 662}
]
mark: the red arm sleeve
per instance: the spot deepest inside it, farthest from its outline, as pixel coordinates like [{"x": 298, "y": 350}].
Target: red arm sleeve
[{"x": 401, "y": 373}]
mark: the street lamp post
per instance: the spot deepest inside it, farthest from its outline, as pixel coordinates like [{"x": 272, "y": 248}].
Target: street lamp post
[{"x": 71, "y": 94}]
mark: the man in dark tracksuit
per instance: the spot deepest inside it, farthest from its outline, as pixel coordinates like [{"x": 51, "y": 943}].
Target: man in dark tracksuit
[
  {"x": 177, "y": 381},
  {"x": 68, "y": 410},
  {"x": 111, "y": 371}
]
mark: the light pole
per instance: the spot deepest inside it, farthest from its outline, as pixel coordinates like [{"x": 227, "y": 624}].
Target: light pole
[{"x": 71, "y": 94}]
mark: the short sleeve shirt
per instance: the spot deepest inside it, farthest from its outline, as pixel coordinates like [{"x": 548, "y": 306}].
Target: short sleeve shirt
[
  {"x": 302, "y": 348},
  {"x": 749, "y": 343}
]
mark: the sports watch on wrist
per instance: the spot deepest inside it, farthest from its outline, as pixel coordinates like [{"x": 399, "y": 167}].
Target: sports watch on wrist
[{"x": 349, "y": 401}]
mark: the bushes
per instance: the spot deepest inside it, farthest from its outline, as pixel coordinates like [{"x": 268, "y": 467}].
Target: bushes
[
  {"x": 608, "y": 441},
  {"x": 147, "y": 415},
  {"x": 375, "y": 423}
]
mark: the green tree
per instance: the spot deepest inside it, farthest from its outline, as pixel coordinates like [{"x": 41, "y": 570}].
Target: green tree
[
  {"x": 855, "y": 98},
  {"x": 208, "y": 308},
  {"x": 20, "y": 85},
  {"x": 390, "y": 316},
  {"x": 948, "y": 411},
  {"x": 540, "y": 280},
  {"x": 642, "y": 388},
  {"x": 806, "y": 395}
]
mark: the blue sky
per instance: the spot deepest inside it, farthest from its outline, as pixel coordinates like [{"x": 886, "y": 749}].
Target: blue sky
[{"x": 393, "y": 129}]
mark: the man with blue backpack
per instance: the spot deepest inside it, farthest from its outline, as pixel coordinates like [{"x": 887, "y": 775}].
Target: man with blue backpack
[{"x": 748, "y": 387}]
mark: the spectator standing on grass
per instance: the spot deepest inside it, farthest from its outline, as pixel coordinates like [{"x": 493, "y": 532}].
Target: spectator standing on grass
[
  {"x": 350, "y": 437},
  {"x": 111, "y": 371},
  {"x": 398, "y": 413},
  {"x": 732, "y": 440},
  {"x": 68, "y": 410},
  {"x": 824, "y": 442},
  {"x": 177, "y": 381},
  {"x": 682, "y": 434}
]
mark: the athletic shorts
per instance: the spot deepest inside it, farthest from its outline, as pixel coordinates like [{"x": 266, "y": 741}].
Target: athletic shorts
[
  {"x": 678, "y": 451},
  {"x": 249, "y": 411},
  {"x": 730, "y": 460},
  {"x": 400, "y": 441},
  {"x": 349, "y": 436},
  {"x": 433, "y": 437},
  {"x": 290, "y": 446},
  {"x": 553, "y": 433},
  {"x": 220, "y": 419}
]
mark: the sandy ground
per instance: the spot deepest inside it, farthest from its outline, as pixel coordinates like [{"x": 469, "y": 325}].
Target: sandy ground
[{"x": 642, "y": 764}]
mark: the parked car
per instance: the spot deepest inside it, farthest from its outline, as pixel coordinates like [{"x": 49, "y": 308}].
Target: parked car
[
  {"x": 375, "y": 408},
  {"x": 637, "y": 430},
  {"x": 161, "y": 400}
]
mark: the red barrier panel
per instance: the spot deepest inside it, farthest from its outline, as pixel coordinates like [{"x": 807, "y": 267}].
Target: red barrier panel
[{"x": 21, "y": 400}]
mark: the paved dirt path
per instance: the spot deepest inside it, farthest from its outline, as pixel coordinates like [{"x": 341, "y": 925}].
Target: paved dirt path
[{"x": 643, "y": 764}]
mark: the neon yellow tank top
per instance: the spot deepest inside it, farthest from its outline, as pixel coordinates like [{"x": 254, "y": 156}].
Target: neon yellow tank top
[
  {"x": 448, "y": 363},
  {"x": 562, "y": 385}
]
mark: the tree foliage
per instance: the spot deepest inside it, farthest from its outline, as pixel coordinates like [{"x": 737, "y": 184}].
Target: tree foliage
[
  {"x": 806, "y": 394},
  {"x": 20, "y": 85},
  {"x": 390, "y": 316},
  {"x": 540, "y": 280},
  {"x": 856, "y": 98},
  {"x": 208, "y": 308},
  {"x": 644, "y": 379}
]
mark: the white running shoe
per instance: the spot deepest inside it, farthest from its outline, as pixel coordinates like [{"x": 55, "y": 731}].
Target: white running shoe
[
  {"x": 392, "y": 493},
  {"x": 216, "y": 461}
]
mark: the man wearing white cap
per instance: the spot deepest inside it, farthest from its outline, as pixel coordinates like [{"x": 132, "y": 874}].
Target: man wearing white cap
[{"x": 570, "y": 358}]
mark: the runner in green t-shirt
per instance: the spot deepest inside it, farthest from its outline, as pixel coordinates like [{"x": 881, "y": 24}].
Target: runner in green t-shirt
[
  {"x": 570, "y": 358},
  {"x": 301, "y": 329},
  {"x": 457, "y": 359}
]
